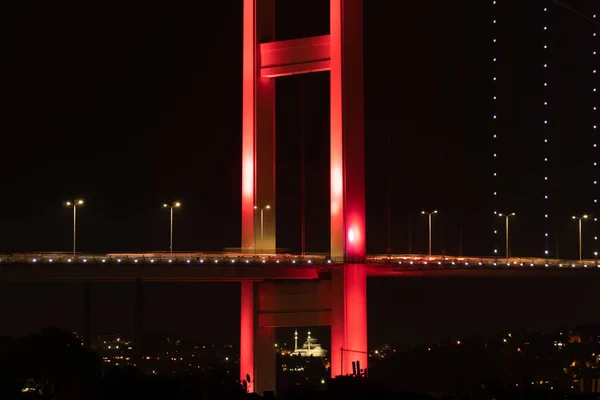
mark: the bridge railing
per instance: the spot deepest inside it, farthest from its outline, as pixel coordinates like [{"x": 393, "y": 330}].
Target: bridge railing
[
  {"x": 165, "y": 258},
  {"x": 407, "y": 261}
]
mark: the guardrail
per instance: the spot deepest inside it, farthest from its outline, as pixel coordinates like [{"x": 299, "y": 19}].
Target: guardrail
[
  {"x": 207, "y": 259},
  {"x": 409, "y": 260},
  {"x": 404, "y": 261}
]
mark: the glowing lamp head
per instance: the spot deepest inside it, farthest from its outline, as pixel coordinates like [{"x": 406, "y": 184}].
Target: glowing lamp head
[
  {"x": 177, "y": 204},
  {"x": 267, "y": 207},
  {"x": 68, "y": 203},
  {"x": 435, "y": 212},
  {"x": 165, "y": 205},
  {"x": 256, "y": 207},
  {"x": 79, "y": 202},
  {"x": 585, "y": 216}
]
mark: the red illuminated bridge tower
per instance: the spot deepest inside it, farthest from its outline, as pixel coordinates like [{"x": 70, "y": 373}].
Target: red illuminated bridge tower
[{"x": 341, "y": 301}]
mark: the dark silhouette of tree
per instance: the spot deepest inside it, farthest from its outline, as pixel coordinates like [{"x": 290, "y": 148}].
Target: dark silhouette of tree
[
  {"x": 350, "y": 388},
  {"x": 52, "y": 362}
]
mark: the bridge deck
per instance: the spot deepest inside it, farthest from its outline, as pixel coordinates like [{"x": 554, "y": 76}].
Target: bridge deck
[{"x": 196, "y": 267}]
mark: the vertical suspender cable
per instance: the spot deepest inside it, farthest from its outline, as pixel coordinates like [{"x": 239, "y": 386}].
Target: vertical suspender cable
[
  {"x": 389, "y": 194},
  {"x": 303, "y": 165}
]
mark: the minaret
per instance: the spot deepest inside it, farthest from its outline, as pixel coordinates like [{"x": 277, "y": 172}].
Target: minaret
[
  {"x": 308, "y": 341},
  {"x": 295, "y": 340}
]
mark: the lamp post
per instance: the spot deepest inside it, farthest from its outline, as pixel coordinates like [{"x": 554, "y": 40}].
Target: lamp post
[
  {"x": 429, "y": 214},
  {"x": 262, "y": 220},
  {"x": 507, "y": 216},
  {"x": 74, "y": 204},
  {"x": 172, "y": 206},
  {"x": 580, "y": 219}
]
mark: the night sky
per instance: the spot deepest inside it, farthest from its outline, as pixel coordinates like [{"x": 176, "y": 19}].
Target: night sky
[{"x": 131, "y": 104}]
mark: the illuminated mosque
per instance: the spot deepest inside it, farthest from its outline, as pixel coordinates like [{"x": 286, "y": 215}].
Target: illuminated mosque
[{"x": 310, "y": 348}]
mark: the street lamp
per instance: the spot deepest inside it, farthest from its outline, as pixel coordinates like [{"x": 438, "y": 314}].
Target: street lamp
[
  {"x": 172, "y": 206},
  {"x": 507, "y": 216},
  {"x": 262, "y": 219},
  {"x": 580, "y": 219},
  {"x": 429, "y": 214},
  {"x": 74, "y": 204}
]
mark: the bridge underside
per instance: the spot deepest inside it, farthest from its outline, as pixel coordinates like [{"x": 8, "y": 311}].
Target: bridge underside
[
  {"x": 95, "y": 272},
  {"x": 80, "y": 272}
]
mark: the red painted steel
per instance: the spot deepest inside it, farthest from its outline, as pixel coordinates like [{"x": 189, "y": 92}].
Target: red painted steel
[
  {"x": 341, "y": 53},
  {"x": 296, "y": 56},
  {"x": 247, "y": 332}
]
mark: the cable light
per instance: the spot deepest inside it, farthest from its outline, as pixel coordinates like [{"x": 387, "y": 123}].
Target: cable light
[
  {"x": 595, "y": 124},
  {"x": 494, "y": 122},
  {"x": 546, "y": 123}
]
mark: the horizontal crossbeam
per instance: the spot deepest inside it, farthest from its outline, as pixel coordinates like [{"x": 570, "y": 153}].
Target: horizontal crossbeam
[
  {"x": 297, "y": 56},
  {"x": 297, "y": 319}
]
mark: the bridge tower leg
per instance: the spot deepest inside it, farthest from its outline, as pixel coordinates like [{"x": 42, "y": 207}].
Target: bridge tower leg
[
  {"x": 258, "y": 184},
  {"x": 348, "y": 233},
  {"x": 348, "y": 318},
  {"x": 258, "y": 130},
  {"x": 257, "y": 356},
  {"x": 347, "y": 159},
  {"x": 247, "y": 333}
]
